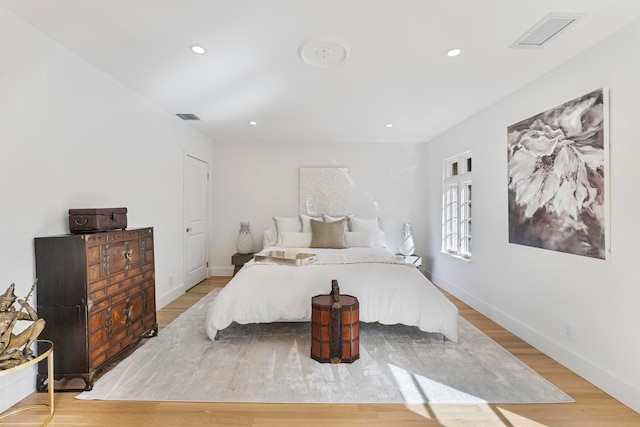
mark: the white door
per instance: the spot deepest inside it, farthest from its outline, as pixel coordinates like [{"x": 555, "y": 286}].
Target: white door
[{"x": 196, "y": 202}]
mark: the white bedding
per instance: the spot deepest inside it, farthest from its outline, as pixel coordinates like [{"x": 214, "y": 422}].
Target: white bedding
[{"x": 389, "y": 291}]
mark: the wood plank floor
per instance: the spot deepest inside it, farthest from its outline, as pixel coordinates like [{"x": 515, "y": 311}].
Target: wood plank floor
[{"x": 592, "y": 406}]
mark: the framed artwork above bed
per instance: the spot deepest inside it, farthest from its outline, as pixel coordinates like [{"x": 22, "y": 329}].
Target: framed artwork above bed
[{"x": 324, "y": 190}]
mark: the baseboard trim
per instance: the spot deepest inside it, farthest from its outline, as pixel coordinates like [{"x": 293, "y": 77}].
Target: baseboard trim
[
  {"x": 167, "y": 297},
  {"x": 221, "y": 271},
  {"x": 17, "y": 386},
  {"x": 610, "y": 383}
]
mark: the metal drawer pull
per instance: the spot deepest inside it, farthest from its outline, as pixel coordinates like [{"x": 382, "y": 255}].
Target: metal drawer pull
[
  {"x": 127, "y": 312},
  {"x": 81, "y": 221},
  {"x": 108, "y": 322}
]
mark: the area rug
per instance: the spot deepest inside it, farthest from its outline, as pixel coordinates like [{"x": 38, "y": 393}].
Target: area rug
[{"x": 272, "y": 363}]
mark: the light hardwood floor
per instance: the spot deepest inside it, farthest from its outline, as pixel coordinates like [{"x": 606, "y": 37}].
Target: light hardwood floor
[{"x": 592, "y": 406}]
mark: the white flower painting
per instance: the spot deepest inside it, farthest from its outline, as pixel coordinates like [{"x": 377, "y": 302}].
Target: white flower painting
[{"x": 557, "y": 168}]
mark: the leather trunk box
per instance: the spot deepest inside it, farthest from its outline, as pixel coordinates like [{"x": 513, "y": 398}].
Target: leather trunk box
[
  {"x": 335, "y": 327},
  {"x": 100, "y": 219}
]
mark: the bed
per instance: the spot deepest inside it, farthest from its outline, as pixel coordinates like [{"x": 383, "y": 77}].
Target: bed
[{"x": 389, "y": 290}]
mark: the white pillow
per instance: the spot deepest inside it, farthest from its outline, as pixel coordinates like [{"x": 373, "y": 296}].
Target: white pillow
[
  {"x": 293, "y": 239},
  {"x": 287, "y": 223},
  {"x": 306, "y": 222},
  {"x": 270, "y": 237},
  {"x": 370, "y": 225},
  {"x": 379, "y": 239},
  {"x": 363, "y": 224},
  {"x": 329, "y": 218},
  {"x": 360, "y": 239}
]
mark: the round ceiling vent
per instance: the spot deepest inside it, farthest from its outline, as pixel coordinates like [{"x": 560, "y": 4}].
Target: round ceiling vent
[{"x": 323, "y": 53}]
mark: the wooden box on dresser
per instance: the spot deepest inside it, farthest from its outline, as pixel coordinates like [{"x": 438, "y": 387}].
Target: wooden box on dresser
[{"x": 96, "y": 292}]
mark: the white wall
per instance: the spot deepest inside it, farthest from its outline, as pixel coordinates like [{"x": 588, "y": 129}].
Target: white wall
[
  {"x": 72, "y": 137},
  {"x": 254, "y": 182},
  {"x": 533, "y": 291}
]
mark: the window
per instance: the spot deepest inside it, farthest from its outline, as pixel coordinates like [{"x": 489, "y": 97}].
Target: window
[{"x": 456, "y": 206}]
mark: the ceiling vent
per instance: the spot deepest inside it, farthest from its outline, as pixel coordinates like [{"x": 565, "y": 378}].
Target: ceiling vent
[
  {"x": 547, "y": 29},
  {"x": 188, "y": 116}
]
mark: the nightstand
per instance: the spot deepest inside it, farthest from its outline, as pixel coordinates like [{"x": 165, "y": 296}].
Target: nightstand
[
  {"x": 238, "y": 260},
  {"x": 411, "y": 259}
]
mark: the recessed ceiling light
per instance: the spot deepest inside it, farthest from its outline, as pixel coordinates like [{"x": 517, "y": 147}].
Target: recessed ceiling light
[
  {"x": 253, "y": 123},
  {"x": 389, "y": 125},
  {"x": 197, "y": 49},
  {"x": 454, "y": 52}
]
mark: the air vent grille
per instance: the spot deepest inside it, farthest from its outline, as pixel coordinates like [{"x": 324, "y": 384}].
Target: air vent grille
[
  {"x": 548, "y": 28},
  {"x": 188, "y": 116}
]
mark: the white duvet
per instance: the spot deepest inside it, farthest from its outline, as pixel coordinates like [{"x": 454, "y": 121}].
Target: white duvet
[{"x": 389, "y": 291}]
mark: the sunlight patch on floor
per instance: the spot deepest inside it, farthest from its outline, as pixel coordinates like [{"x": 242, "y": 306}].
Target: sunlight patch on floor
[
  {"x": 515, "y": 419},
  {"x": 418, "y": 389},
  {"x": 485, "y": 415}
]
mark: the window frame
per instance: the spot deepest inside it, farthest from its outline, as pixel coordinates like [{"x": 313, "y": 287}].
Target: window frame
[{"x": 457, "y": 206}]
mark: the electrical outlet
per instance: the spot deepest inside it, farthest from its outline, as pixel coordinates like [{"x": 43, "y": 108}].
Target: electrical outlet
[
  {"x": 170, "y": 280},
  {"x": 567, "y": 330}
]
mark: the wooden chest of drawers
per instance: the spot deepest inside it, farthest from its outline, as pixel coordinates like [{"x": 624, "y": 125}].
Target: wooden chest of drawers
[{"x": 96, "y": 293}]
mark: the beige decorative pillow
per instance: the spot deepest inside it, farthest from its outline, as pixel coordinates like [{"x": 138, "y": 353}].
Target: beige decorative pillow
[
  {"x": 329, "y": 218},
  {"x": 328, "y": 234}
]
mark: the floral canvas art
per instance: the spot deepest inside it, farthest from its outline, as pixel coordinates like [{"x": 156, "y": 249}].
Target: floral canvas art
[{"x": 557, "y": 163}]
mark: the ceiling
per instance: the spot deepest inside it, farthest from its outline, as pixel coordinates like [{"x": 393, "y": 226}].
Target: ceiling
[{"x": 396, "y": 69}]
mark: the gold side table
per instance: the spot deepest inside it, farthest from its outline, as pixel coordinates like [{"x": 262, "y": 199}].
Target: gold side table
[{"x": 48, "y": 354}]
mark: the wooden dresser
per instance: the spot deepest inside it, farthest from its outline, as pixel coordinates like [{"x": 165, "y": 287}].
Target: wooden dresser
[{"x": 96, "y": 293}]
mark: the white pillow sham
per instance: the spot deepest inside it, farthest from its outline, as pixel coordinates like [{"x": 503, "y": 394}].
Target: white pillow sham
[
  {"x": 270, "y": 237},
  {"x": 295, "y": 232},
  {"x": 353, "y": 239},
  {"x": 306, "y": 222},
  {"x": 330, "y": 218},
  {"x": 287, "y": 223},
  {"x": 363, "y": 224},
  {"x": 379, "y": 239},
  {"x": 360, "y": 239},
  {"x": 294, "y": 239},
  {"x": 368, "y": 225}
]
